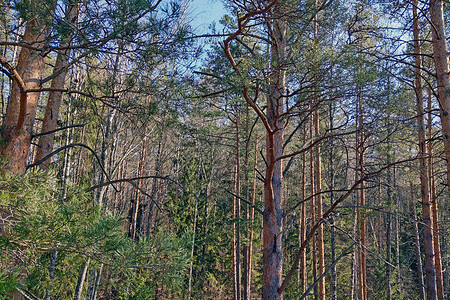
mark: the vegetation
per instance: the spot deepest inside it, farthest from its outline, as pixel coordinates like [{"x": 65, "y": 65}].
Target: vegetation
[{"x": 303, "y": 153}]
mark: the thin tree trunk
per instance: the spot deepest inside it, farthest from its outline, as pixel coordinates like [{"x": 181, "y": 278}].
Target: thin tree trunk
[
  {"x": 318, "y": 185},
  {"x": 303, "y": 276},
  {"x": 152, "y": 199},
  {"x": 379, "y": 236},
  {"x": 136, "y": 205},
  {"x": 245, "y": 282},
  {"x": 397, "y": 253},
  {"x": 236, "y": 217},
  {"x": 417, "y": 244},
  {"x": 194, "y": 230},
  {"x": 98, "y": 275},
  {"x": 353, "y": 294},
  {"x": 434, "y": 208},
  {"x": 252, "y": 220},
  {"x": 318, "y": 179},
  {"x": 313, "y": 214},
  {"x": 362, "y": 203},
  {"x": 333, "y": 283},
  {"x": 48, "y": 295},
  {"x": 81, "y": 279},
  {"x": 388, "y": 257}
]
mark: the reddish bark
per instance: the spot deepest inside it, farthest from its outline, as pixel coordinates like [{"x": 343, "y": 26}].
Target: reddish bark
[
  {"x": 45, "y": 146},
  {"x": 424, "y": 180},
  {"x": 440, "y": 51},
  {"x": 440, "y": 55},
  {"x": 20, "y": 114},
  {"x": 274, "y": 125}
]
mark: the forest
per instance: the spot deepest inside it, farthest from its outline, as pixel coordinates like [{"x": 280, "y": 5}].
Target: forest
[{"x": 295, "y": 149}]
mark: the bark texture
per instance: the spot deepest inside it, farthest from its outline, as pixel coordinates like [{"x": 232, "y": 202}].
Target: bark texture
[
  {"x": 440, "y": 51},
  {"x": 273, "y": 186},
  {"x": 21, "y": 110},
  {"x": 45, "y": 146},
  {"x": 424, "y": 180}
]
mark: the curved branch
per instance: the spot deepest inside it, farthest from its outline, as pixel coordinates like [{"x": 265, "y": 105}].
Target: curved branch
[
  {"x": 23, "y": 94},
  {"x": 313, "y": 144},
  {"x": 226, "y": 43},
  {"x": 124, "y": 180},
  {"x": 56, "y": 130},
  {"x": 72, "y": 146}
]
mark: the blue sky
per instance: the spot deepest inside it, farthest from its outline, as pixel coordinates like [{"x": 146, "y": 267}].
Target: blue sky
[{"x": 204, "y": 12}]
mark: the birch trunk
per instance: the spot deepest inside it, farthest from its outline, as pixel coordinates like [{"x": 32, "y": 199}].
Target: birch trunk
[{"x": 81, "y": 279}]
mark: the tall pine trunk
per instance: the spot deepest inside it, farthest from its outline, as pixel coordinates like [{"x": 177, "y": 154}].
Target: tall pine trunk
[
  {"x": 434, "y": 208},
  {"x": 440, "y": 55},
  {"x": 273, "y": 186},
  {"x": 318, "y": 179},
  {"x": 424, "y": 180},
  {"x": 45, "y": 146},
  {"x": 236, "y": 216},
  {"x": 313, "y": 214}
]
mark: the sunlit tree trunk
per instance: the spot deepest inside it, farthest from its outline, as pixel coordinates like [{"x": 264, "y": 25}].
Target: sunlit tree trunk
[
  {"x": 81, "y": 279},
  {"x": 45, "y": 146},
  {"x": 252, "y": 220},
  {"x": 424, "y": 180},
  {"x": 236, "y": 217},
  {"x": 194, "y": 232},
  {"x": 274, "y": 126},
  {"x": 361, "y": 198},
  {"x": 273, "y": 186},
  {"x": 318, "y": 178},
  {"x": 22, "y": 106},
  {"x": 313, "y": 213},
  {"x": 434, "y": 208},
  {"x": 246, "y": 254},
  {"x": 318, "y": 190},
  {"x": 440, "y": 55}
]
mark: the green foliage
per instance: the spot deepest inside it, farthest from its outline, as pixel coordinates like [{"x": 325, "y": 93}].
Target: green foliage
[
  {"x": 8, "y": 283},
  {"x": 40, "y": 223}
]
